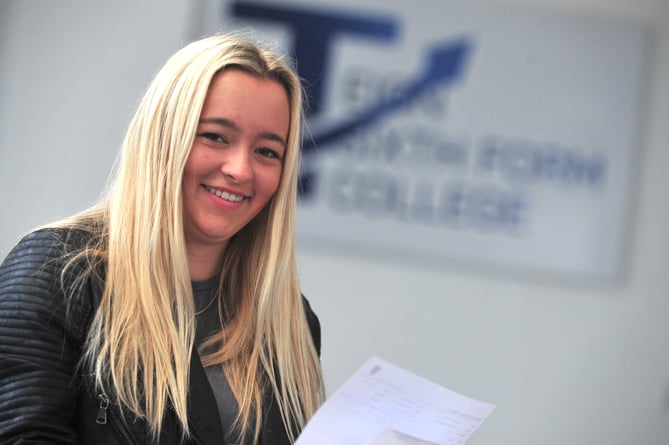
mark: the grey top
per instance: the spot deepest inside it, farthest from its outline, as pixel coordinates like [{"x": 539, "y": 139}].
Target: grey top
[{"x": 208, "y": 322}]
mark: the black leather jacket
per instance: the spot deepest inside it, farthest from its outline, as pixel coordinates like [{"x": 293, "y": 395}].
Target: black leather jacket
[{"x": 43, "y": 398}]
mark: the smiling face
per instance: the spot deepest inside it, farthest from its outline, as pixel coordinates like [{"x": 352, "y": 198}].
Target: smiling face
[{"x": 235, "y": 164}]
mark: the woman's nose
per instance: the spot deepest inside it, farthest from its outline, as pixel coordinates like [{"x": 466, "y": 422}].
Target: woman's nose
[{"x": 237, "y": 164}]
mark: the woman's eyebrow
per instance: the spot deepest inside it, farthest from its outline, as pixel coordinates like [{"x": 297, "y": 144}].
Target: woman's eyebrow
[
  {"x": 273, "y": 137},
  {"x": 220, "y": 121}
]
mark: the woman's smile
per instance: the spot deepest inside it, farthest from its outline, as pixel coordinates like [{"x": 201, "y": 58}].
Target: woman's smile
[{"x": 227, "y": 196}]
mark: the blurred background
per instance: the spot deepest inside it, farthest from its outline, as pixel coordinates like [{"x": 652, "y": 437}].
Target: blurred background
[{"x": 492, "y": 218}]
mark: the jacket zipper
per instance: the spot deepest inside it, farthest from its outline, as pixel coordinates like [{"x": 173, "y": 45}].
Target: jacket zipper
[
  {"x": 105, "y": 414},
  {"x": 102, "y": 412}
]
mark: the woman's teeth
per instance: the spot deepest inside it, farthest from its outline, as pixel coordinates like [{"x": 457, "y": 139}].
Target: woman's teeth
[{"x": 225, "y": 195}]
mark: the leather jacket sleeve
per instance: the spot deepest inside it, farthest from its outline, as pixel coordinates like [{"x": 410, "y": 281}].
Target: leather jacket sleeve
[
  {"x": 40, "y": 343},
  {"x": 314, "y": 325}
]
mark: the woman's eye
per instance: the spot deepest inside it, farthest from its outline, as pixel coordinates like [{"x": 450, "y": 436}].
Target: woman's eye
[
  {"x": 268, "y": 153},
  {"x": 214, "y": 137}
]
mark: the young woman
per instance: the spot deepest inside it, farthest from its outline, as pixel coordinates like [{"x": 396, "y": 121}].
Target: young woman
[{"x": 170, "y": 312}]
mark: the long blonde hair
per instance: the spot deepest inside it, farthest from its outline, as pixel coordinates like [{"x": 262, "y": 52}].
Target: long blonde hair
[{"x": 142, "y": 336}]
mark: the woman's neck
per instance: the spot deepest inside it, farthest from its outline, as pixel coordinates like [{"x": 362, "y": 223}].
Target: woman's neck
[{"x": 204, "y": 261}]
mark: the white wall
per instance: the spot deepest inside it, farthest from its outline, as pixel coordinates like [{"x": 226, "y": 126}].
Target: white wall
[{"x": 565, "y": 364}]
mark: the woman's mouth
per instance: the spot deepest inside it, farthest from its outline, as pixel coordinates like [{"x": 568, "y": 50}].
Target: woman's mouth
[{"x": 224, "y": 195}]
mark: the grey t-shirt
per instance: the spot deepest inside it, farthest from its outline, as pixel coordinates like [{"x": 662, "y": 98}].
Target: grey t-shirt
[{"x": 207, "y": 323}]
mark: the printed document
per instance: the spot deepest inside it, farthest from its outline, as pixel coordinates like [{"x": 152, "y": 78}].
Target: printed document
[{"x": 383, "y": 404}]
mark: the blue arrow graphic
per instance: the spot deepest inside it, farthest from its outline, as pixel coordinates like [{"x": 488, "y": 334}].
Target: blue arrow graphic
[{"x": 445, "y": 65}]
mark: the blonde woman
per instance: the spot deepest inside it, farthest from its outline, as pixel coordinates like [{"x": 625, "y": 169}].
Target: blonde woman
[{"x": 171, "y": 311}]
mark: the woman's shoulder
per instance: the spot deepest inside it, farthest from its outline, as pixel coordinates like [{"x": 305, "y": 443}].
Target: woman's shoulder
[
  {"x": 38, "y": 272},
  {"x": 51, "y": 242},
  {"x": 37, "y": 249}
]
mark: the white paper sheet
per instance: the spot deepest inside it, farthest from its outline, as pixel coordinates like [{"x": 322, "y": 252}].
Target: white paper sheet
[{"x": 382, "y": 404}]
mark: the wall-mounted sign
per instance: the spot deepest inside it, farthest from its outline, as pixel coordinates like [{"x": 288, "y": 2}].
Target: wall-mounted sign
[{"x": 462, "y": 132}]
